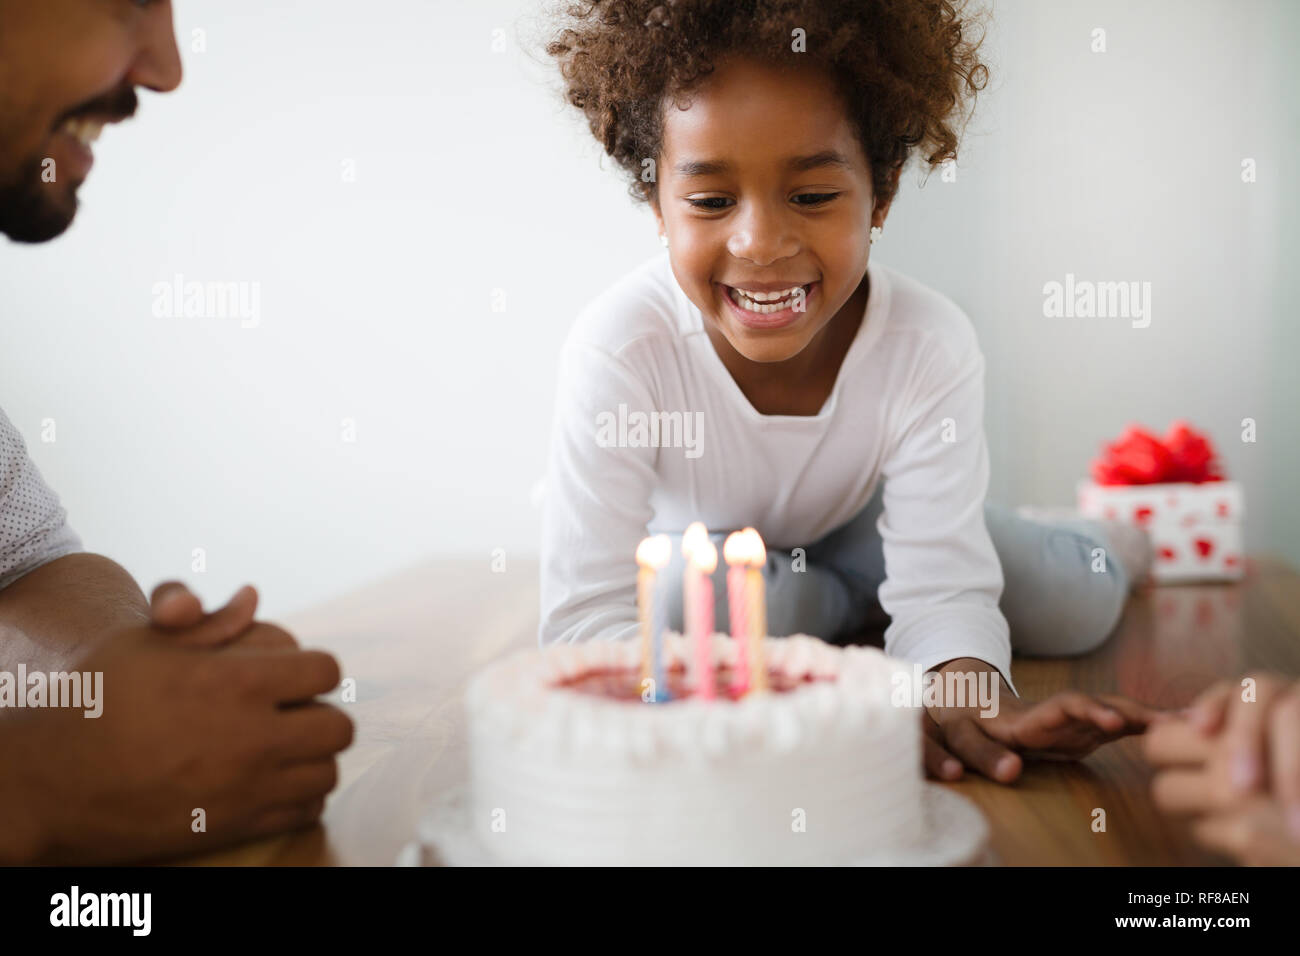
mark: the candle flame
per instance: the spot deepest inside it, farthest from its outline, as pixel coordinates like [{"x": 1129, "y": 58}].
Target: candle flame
[
  {"x": 745, "y": 548},
  {"x": 735, "y": 550},
  {"x": 705, "y": 557},
  {"x": 654, "y": 552},
  {"x": 693, "y": 537}
]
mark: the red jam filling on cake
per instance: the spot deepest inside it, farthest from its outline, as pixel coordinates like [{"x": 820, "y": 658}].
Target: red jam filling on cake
[{"x": 625, "y": 684}]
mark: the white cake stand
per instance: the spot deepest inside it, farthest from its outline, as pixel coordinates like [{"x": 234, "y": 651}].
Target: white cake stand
[{"x": 955, "y": 835}]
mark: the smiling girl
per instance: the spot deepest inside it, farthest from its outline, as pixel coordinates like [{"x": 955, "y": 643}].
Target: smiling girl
[{"x": 841, "y": 402}]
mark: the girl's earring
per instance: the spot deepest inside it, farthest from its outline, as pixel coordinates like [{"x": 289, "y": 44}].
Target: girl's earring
[
  {"x": 663, "y": 240},
  {"x": 876, "y": 232}
]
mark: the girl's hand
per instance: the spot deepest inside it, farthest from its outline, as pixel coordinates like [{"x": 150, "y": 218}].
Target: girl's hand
[{"x": 1067, "y": 725}]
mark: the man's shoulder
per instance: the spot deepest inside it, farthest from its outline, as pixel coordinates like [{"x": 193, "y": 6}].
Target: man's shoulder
[
  {"x": 33, "y": 524},
  {"x": 12, "y": 446}
]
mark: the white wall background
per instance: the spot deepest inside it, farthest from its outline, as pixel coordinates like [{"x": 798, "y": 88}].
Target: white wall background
[{"x": 472, "y": 176}]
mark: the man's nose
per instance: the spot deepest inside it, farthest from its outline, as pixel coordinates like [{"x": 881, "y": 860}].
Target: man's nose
[{"x": 157, "y": 64}]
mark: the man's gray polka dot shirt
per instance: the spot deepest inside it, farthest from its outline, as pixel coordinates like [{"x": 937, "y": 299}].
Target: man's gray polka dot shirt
[{"x": 33, "y": 525}]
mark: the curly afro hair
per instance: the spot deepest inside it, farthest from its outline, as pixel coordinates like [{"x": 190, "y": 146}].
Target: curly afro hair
[{"x": 907, "y": 70}]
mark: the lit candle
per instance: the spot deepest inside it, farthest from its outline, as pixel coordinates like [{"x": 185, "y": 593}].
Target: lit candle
[
  {"x": 703, "y": 561},
  {"x": 757, "y": 610},
  {"x": 736, "y": 552},
  {"x": 651, "y": 556},
  {"x": 693, "y": 537}
]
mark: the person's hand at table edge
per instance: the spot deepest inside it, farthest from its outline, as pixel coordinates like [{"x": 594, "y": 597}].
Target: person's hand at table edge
[
  {"x": 995, "y": 741},
  {"x": 187, "y": 750}
]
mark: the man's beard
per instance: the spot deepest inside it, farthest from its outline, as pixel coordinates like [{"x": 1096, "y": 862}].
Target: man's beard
[
  {"x": 29, "y": 211},
  {"x": 33, "y": 210}
]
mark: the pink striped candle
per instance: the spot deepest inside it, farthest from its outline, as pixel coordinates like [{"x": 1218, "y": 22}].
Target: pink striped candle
[
  {"x": 735, "y": 551},
  {"x": 757, "y": 594},
  {"x": 694, "y": 538},
  {"x": 703, "y": 561}
]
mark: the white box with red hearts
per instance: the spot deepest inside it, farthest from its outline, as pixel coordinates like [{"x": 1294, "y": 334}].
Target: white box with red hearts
[{"x": 1195, "y": 529}]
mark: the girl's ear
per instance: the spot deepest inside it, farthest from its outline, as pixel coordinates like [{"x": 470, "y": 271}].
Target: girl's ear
[
  {"x": 881, "y": 210},
  {"x": 880, "y": 213}
]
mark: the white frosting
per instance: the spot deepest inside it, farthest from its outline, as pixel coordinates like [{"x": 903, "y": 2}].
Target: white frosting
[{"x": 827, "y": 772}]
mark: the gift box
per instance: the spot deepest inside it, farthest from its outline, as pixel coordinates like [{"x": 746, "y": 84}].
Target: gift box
[{"x": 1174, "y": 489}]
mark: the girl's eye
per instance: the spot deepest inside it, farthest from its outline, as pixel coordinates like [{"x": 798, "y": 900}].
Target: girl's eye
[
  {"x": 704, "y": 203},
  {"x": 820, "y": 199},
  {"x": 817, "y": 199}
]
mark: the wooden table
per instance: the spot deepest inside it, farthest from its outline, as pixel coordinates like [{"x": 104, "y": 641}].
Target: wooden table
[{"x": 412, "y": 641}]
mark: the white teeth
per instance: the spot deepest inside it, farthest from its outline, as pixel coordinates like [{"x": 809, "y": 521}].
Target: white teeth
[
  {"x": 85, "y": 131},
  {"x": 768, "y": 306},
  {"x": 769, "y": 296}
]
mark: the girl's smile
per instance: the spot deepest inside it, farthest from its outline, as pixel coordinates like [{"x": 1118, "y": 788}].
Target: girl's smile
[{"x": 777, "y": 314}]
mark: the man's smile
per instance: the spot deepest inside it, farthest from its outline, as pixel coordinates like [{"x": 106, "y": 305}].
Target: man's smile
[
  {"x": 72, "y": 142},
  {"x": 76, "y": 132}
]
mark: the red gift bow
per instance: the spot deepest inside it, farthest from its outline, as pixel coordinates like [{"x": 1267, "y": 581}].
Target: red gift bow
[{"x": 1140, "y": 458}]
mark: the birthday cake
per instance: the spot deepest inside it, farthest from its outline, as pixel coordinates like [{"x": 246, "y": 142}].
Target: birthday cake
[{"x": 572, "y": 762}]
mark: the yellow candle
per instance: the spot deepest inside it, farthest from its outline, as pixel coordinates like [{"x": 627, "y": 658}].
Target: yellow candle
[
  {"x": 645, "y": 583},
  {"x": 703, "y": 562}
]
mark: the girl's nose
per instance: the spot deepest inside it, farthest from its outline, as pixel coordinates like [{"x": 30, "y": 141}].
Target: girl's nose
[{"x": 762, "y": 238}]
